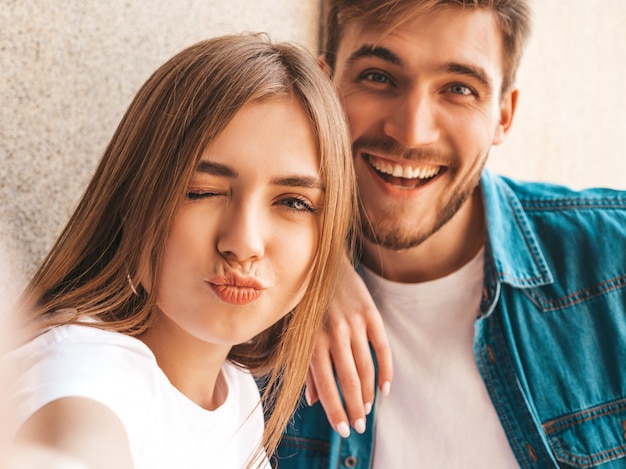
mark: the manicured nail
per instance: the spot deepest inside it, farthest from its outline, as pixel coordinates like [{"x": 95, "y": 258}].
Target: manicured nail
[
  {"x": 386, "y": 388},
  {"x": 359, "y": 426},
  {"x": 343, "y": 429},
  {"x": 368, "y": 408},
  {"x": 307, "y": 396}
]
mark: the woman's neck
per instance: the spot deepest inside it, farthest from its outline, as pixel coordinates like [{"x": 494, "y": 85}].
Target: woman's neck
[{"x": 191, "y": 365}]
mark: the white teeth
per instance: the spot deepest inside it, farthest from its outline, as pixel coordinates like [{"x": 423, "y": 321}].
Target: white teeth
[{"x": 406, "y": 172}]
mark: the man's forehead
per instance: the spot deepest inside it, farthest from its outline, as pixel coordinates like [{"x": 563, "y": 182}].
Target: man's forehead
[
  {"x": 377, "y": 28},
  {"x": 356, "y": 35},
  {"x": 452, "y": 36}
]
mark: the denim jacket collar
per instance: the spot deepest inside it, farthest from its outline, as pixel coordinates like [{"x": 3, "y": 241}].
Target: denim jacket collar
[{"x": 512, "y": 253}]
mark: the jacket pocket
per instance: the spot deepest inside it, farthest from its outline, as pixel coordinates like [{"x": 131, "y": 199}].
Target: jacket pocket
[
  {"x": 590, "y": 437},
  {"x": 297, "y": 452}
]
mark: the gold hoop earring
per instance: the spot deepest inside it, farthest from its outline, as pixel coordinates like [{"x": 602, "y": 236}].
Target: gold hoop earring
[{"x": 132, "y": 286}]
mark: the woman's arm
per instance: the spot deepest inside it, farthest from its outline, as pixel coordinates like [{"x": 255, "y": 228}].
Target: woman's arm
[
  {"x": 352, "y": 325},
  {"x": 37, "y": 456},
  {"x": 75, "y": 429}
]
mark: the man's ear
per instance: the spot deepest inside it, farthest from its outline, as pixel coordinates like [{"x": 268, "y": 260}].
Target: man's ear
[
  {"x": 507, "y": 112},
  {"x": 324, "y": 66}
]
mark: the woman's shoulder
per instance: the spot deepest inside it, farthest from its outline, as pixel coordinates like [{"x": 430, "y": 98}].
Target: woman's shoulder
[
  {"x": 82, "y": 361},
  {"x": 80, "y": 343}
]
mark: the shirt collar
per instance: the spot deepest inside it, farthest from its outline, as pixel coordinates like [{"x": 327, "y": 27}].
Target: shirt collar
[{"x": 512, "y": 252}]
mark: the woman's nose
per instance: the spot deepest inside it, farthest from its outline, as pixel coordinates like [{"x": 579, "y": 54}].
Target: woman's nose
[{"x": 241, "y": 235}]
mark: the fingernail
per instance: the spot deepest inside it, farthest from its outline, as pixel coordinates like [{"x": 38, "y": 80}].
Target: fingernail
[
  {"x": 343, "y": 429},
  {"x": 386, "y": 388},
  {"x": 359, "y": 426},
  {"x": 368, "y": 408},
  {"x": 307, "y": 397}
]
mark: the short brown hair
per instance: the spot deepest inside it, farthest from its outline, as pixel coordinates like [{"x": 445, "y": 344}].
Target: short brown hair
[{"x": 513, "y": 17}]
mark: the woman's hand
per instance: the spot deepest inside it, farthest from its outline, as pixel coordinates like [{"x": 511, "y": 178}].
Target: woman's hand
[{"x": 352, "y": 324}]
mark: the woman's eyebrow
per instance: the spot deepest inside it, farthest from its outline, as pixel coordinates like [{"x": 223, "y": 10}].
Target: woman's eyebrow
[
  {"x": 310, "y": 182},
  {"x": 216, "y": 169}
]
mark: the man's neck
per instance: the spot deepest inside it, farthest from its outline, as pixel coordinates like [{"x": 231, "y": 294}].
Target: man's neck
[{"x": 447, "y": 250}]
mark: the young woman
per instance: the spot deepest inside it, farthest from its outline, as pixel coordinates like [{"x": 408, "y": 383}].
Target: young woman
[{"x": 201, "y": 254}]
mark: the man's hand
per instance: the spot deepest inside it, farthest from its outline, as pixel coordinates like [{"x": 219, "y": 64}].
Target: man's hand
[{"x": 352, "y": 324}]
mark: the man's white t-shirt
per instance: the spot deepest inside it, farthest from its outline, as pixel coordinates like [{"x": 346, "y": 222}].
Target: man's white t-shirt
[
  {"x": 165, "y": 429},
  {"x": 438, "y": 413}
]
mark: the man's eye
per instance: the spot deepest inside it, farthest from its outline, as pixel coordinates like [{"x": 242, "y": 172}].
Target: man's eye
[
  {"x": 376, "y": 77},
  {"x": 461, "y": 90},
  {"x": 298, "y": 204}
]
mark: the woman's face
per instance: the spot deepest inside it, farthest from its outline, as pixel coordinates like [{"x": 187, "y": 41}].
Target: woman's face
[{"x": 242, "y": 243}]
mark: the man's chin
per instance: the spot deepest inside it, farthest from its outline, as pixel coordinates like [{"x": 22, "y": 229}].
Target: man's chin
[{"x": 390, "y": 239}]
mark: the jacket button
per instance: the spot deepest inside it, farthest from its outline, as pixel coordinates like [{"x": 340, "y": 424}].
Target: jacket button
[{"x": 350, "y": 461}]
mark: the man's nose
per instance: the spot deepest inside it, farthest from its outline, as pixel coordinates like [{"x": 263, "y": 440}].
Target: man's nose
[{"x": 413, "y": 121}]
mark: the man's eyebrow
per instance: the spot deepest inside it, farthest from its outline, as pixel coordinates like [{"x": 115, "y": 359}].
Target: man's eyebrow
[
  {"x": 371, "y": 50},
  {"x": 471, "y": 71},
  {"x": 216, "y": 169},
  {"x": 309, "y": 182}
]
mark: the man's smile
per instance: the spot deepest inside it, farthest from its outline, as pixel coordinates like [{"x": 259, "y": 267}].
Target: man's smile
[{"x": 404, "y": 175}]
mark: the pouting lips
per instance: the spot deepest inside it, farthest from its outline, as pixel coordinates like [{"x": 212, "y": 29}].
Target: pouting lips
[{"x": 403, "y": 175}]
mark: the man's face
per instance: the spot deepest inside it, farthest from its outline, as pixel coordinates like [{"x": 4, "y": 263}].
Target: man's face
[{"x": 424, "y": 107}]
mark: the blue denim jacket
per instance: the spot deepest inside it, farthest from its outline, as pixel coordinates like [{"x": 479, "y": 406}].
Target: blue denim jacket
[{"x": 551, "y": 342}]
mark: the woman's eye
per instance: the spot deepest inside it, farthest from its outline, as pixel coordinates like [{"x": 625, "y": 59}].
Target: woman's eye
[
  {"x": 298, "y": 204},
  {"x": 196, "y": 195}
]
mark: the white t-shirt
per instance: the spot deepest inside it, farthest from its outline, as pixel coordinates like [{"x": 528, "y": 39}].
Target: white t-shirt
[
  {"x": 438, "y": 413},
  {"x": 165, "y": 429}
]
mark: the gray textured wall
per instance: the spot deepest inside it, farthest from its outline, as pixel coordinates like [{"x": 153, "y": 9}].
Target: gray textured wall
[{"x": 70, "y": 68}]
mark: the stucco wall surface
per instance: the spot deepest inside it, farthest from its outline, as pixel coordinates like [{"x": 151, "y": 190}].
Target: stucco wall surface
[
  {"x": 70, "y": 68},
  {"x": 570, "y": 125}
]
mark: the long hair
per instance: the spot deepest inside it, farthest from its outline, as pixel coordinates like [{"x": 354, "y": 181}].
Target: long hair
[
  {"x": 513, "y": 18},
  {"x": 122, "y": 220}
]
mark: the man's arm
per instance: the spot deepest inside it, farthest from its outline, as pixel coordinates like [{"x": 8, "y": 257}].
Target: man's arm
[{"x": 352, "y": 324}]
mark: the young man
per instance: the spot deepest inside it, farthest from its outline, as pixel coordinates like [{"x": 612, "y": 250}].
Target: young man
[{"x": 504, "y": 303}]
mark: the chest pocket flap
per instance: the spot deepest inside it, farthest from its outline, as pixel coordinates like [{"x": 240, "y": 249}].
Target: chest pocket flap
[{"x": 591, "y": 437}]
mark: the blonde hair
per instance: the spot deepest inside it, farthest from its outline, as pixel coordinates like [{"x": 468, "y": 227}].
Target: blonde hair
[
  {"x": 513, "y": 17},
  {"x": 143, "y": 176}
]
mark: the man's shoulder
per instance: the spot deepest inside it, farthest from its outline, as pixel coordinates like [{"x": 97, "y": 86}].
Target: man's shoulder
[
  {"x": 540, "y": 232},
  {"x": 548, "y": 196},
  {"x": 549, "y": 209}
]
